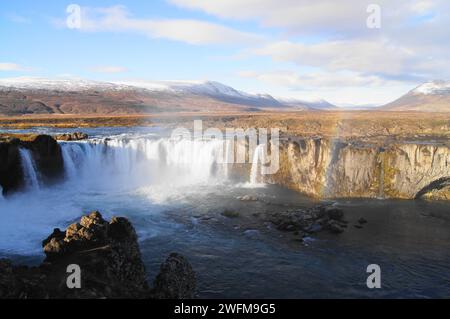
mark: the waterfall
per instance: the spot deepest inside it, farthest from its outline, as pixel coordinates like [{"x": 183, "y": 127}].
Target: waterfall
[
  {"x": 132, "y": 163},
  {"x": 144, "y": 161},
  {"x": 258, "y": 161},
  {"x": 69, "y": 165},
  {"x": 29, "y": 169}
]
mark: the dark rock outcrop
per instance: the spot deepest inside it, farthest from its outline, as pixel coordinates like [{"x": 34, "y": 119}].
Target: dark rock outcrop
[
  {"x": 11, "y": 176},
  {"x": 110, "y": 264},
  {"x": 310, "y": 220},
  {"x": 328, "y": 168},
  {"x": 46, "y": 154},
  {"x": 176, "y": 279},
  {"x": 76, "y": 136}
]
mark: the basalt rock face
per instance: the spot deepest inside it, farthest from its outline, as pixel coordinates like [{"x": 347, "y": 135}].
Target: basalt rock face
[
  {"x": 332, "y": 169},
  {"x": 109, "y": 261},
  {"x": 107, "y": 254},
  {"x": 11, "y": 176},
  {"x": 176, "y": 279},
  {"x": 76, "y": 136},
  {"x": 46, "y": 154}
]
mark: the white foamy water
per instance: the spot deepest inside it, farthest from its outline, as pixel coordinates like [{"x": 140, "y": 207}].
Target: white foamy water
[
  {"x": 120, "y": 174},
  {"x": 29, "y": 169},
  {"x": 134, "y": 163},
  {"x": 258, "y": 162},
  {"x": 153, "y": 181}
]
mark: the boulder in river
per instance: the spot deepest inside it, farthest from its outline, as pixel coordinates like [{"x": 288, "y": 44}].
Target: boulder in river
[{"x": 309, "y": 220}]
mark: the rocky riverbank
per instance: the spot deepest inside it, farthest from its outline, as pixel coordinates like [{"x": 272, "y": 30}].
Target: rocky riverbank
[
  {"x": 110, "y": 264},
  {"x": 316, "y": 166},
  {"x": 329, "y": 168},
  {"x": 45, "y": 153}
]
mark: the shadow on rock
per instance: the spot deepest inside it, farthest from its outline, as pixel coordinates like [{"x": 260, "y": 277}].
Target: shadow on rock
[{"x": 110, "y": 264}]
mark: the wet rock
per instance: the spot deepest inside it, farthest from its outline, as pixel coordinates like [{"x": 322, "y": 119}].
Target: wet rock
[
  {"x": 230, "y": 213},
  {"x": 76, "y": 136},
  {"x": 334, "y": 227},
  {"x": 251, "y": 233},
  {"x": 45, "y": 151},
  {"x": 111, "y": 266},
  {"x": 362, "y": 221},
  {"x": 314, "y": 228},
  {"x": 311, "y": 220},
  {"x": 334, "y": 213},
  {"x": 21, "y": 282},
  {"x": 357, "y": 226},
  {"x": 176, "y": 279},
  {"x": 248, "y": 198},
  {"x": 7, "y": 282},
  {"x": 47, "y": 156},
  {"x": 54, "y": 244},
  {"x": 11, "y": 176}
]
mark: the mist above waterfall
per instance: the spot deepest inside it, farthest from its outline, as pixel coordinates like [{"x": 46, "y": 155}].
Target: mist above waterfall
[
  {"x": 143, "y": 162},
  {"x": 132, "y": 172}
]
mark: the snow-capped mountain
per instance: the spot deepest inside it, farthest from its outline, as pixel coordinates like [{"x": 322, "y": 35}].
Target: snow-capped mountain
[
  {"x": 433, "y": 88},
  {"x": 318, "y": 104},
  {"x": 74, "y": 84},
  {"x": 431, "y": 96},
  {"x": 78, "y": 96},
  {"x": 211, "y": 89}
]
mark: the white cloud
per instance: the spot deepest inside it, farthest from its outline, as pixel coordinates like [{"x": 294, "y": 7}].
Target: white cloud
[
  {"x": 340, "y": 88},
  {"x": 294, "y": 15},
  {"x": 412, "y": 42},
  {"x": 118, "y": 19},
  {"x": 7, "y": 66},
  {"x": 109, "y": 69},
  {"x": 379, "y": 57},
  {"x": 310, "y": 80},
  {"x": 328, "y": 36},
  {"x": 344, "y": 17},
  {"x": 423, "y": 6}
]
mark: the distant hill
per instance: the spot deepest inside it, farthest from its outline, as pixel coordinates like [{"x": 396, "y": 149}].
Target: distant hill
[
  {"x": 20, "y": 96},
  {"x": 428, "y": 97}
]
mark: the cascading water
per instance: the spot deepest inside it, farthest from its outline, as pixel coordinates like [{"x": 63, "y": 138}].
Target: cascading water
[
  {"x": 142, "y": 162},
  {"x": 69, "y": 165},
  {"x": 29, "y": 169},
  {"x": 258, "y": 162},
  {"x": 133, "y": 162}
]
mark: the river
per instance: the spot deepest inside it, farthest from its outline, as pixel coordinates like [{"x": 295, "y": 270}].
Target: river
[{"x": 175, "y": 192}]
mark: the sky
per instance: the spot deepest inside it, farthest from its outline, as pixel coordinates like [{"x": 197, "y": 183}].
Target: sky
[{"x": 348, "y": 52}]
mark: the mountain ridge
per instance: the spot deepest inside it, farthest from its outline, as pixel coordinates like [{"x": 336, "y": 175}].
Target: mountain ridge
[
  {"x": 432, "y": 96},
  {"x": 34, "y": 95},
  {"x": 28, "y": 95}
]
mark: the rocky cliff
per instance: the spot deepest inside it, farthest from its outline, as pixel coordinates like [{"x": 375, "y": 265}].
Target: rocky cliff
[
  {"x": 110, "y": 264},
  {"x": 46, "y": 154},
  {"x": 332, "y": 168}
]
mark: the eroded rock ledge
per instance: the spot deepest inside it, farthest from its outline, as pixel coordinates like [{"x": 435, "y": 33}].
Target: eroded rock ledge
[
  {"x": 109, "y": 257},
  {"x": 46, "y": 154},
  {"x": 327, "y": 168}
]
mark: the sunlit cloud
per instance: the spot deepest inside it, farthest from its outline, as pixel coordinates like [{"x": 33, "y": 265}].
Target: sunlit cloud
[
  {"x": 8, "y": 66},
  {"x": 118, "y": 19}
]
